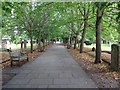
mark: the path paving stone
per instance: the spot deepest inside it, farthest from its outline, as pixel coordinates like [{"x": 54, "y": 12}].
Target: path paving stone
[
  {"x": 54, "y": 69},
  {"x": 41, "y": 81}
]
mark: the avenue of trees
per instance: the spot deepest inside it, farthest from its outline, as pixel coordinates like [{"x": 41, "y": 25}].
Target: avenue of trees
[{"x": 73, "y": 22}]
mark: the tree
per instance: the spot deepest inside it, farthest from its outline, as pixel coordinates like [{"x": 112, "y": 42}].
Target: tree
[
  {"x": 85, "y": 13},
  {"x": 68, "y": 20},
  {"x": 99, "y": 15}
]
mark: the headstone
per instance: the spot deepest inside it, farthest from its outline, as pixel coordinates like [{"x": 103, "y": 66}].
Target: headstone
[
  {"x": 93, "y": 49},
  {"x": 115, "y": 57}
]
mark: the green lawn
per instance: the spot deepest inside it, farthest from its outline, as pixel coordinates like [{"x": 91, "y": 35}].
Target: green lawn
[
  {"x": 18, "y": 46},
  {"x": 105, "y": 47}
]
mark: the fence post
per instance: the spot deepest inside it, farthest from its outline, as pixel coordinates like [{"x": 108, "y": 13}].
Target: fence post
[{"x": 115, "y": 57}]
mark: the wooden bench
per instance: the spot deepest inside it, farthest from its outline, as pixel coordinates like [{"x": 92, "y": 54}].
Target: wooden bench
[{"x": 18, "y": 56}]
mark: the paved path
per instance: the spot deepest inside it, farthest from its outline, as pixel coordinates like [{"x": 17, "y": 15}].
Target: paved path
[{"x": 54, "y": 69}]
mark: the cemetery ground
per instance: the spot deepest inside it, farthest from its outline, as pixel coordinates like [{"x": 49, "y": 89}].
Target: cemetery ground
[{"x": 101, "y": 73}]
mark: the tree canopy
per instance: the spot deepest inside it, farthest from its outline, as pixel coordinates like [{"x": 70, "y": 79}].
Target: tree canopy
[{"x": 74, "y": 21}]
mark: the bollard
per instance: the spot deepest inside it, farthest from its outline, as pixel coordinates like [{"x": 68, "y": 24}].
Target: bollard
[{"x": 115, "y": 57}]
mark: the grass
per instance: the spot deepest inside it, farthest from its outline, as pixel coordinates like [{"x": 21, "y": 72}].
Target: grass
[
  {"x": 18, "y": 46},
  {"x": 105, "y": 47}
]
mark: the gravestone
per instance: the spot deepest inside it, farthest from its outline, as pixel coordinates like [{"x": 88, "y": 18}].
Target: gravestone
[
  {"x": 93, "y": 49},
  {"x": 115, "y": 57}
]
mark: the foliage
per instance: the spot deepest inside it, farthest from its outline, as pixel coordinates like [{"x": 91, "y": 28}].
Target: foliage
[{"x": 46, "y": 20}]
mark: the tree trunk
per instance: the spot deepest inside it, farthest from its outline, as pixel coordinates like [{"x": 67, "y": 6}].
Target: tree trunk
[
  {"x": 119, "y": 38},
  {"x": 78, "y": 44},
  {"x": 43, "y": 43},
  {"x": 21, "y": 45},
  {"x": 46, "y": 42},
  {"x": 75, "y": 42},
  {"x": 25, "y": 44},
  {"x": 31, "y": 43},
  {"x": 83, "y": 36},
  {"x": 98, "y": 33},
  {"x": 39, "y": 44},
  {"x": 71, "y": 41}
]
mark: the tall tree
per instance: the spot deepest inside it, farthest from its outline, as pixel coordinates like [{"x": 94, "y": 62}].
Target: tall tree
[
  {"x": 98, "y": 32},
  {"x": 85, "y": 13}
]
